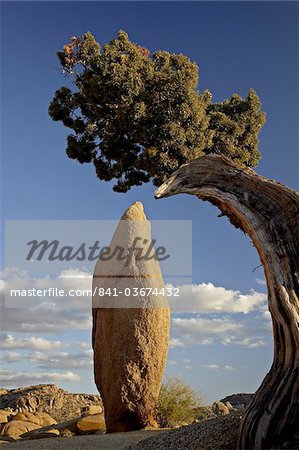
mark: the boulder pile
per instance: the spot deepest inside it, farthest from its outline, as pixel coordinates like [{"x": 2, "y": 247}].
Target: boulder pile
[
  {"x": 17, "y": 426},
  {"x": 50, "y": 399},
  {"x": 217, "y": 431}
]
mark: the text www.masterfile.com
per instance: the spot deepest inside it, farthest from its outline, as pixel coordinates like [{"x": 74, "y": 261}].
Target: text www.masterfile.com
[{"x": 96, "y": 291}]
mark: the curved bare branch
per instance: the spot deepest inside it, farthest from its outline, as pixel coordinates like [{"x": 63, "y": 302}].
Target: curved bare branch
[{"x": 269, "y": 213}]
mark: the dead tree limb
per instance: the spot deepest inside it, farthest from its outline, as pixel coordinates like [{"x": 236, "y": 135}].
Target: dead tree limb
[{"x": 269, "y": 213}]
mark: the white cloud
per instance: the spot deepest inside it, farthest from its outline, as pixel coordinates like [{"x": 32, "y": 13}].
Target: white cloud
[
  {"x": 76, "y": 273},
  {"x": 187, "y": 364},
  {"x": 224, "y": 330},
  {"x": 47, "y": 314},
  {"x": 65, "y": 360},
  {"x": 207, "y": 341},
  {"x": 82, "y": 344},
  {"x": 37, "y": 356},
  {"x": 207, "y": 298},
  {"x": 268, "y": 325},
  {"x": 49, "y": 318},
  {"x": 175, "y": 343},
  {"x": 261, "y": 281},
  {"x": 12, "y": 272},
  {"x": 211, "y": 366},
  {"x": 217, "y": 367},
  {"x": 66, "y": 280},
  {"x": 32, "y": 343},
  {"x": 49, "y": 360},
  {"x": 10, "y": 357},
  {"x": 58, "y": 315},
  {"x": 9, "y": 378},
  {"x": 229, "y": 368},
  {"x": 249, "y": 342},
  {"x": 198, "y": 325},
  {"x": 201, "y": 331}
]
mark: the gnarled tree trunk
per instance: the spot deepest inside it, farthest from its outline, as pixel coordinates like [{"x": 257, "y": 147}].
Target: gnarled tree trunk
[{"x": 269, "y": 213}]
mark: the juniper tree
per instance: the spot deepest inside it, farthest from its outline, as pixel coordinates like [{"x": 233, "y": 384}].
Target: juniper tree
[{"x": 139, "y": 116}]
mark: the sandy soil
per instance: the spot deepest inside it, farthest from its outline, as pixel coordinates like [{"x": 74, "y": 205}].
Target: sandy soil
[{"x": 115, "y": 441}]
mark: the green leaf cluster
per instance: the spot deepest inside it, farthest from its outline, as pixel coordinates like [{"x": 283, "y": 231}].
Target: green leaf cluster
[
  {"x": 139, "y": 116},
  {"x": 178, "y": 404}
]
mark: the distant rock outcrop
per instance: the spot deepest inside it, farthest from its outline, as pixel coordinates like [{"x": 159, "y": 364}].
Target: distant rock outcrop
[
  {"x": 48, "y": 398},
  {"x": 130, "y": 333},
  {"x": 238, "y": 401},
  {"x": 220, "y": 408}
]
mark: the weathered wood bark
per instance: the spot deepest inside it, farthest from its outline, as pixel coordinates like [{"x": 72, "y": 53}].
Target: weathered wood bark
[{"x": 269, "y": 213}]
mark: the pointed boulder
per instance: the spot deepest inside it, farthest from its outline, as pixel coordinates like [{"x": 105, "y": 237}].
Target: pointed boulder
[{"x": 130, "y": 328}]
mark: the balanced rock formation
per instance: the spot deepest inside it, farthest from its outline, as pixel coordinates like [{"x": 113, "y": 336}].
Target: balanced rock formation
[{"x": 130, "y": 329}]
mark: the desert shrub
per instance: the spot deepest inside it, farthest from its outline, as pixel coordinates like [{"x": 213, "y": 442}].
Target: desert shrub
[
  {"x": 204, "y": 413},
  {"x": 178, "y": 403}
]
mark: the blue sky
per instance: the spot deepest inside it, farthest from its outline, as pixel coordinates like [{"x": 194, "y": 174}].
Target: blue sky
[{"x": 237, "y": 45}]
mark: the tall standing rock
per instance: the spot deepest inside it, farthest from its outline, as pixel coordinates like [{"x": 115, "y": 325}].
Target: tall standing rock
[{"x": 131, "y": 330}]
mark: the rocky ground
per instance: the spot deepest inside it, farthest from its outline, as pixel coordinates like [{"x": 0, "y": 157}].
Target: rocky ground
[
  {"x": 219, "y": 433},
  {"x": 31, "y": 417},
  {"x": 116, "y": 441}
]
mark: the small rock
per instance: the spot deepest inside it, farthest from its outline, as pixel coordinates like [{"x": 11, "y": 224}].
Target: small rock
[
  {"x": 4, "y": 415},
  {"x": 70, "y": 425},
  {"x": 220, "y": 408},
  {"x": 229, "y": 406},
  {"x": 66, "y": 433},
  {"x": 32, "y": 403},
  {"x": 60, "y": 428},
  {"x": 43, "y": 434},
  {"x": 15, "y": 428},
  {"x": 45, "y": 419},
  {"x": 28, "y": 417},
  {"x": 91, "y": 424},
  {"x": 91, "y": 410}
]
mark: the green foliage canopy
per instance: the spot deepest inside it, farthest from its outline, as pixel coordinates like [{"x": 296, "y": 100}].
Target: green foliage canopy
[
  {"x": 178, "y": 403},
  {"x": 139, "y": 116}
]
